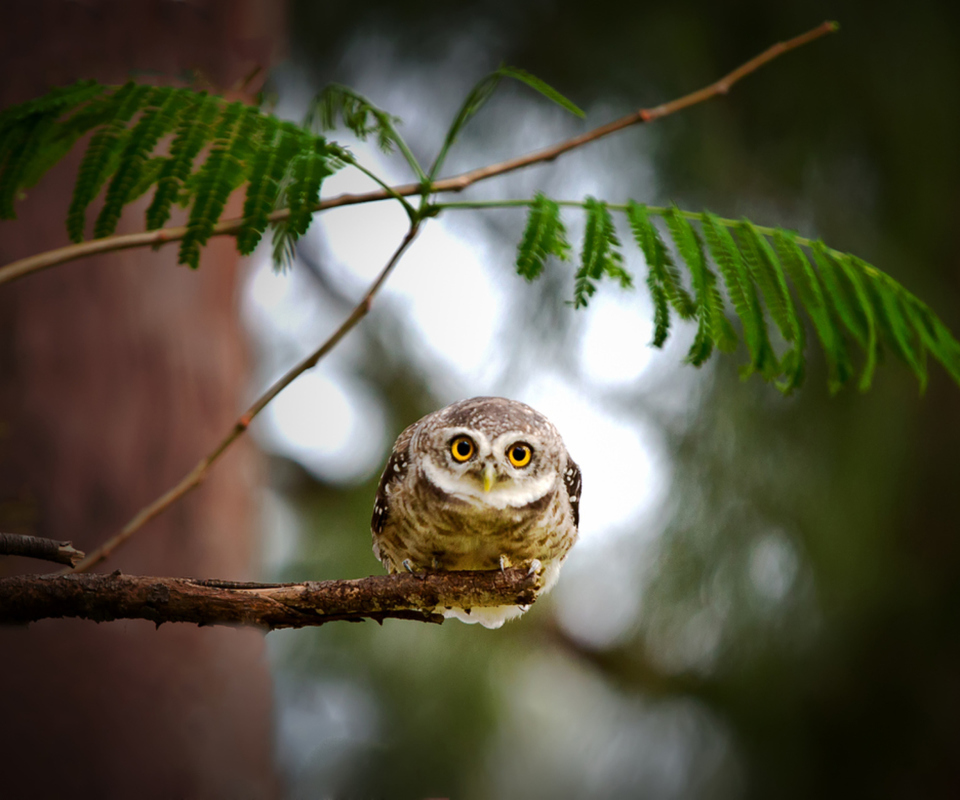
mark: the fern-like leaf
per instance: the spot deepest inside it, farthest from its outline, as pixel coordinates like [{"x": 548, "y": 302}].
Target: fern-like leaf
[
  {"x": 220, "y": 174},
  {"x": 103, "y": 154},
  {"x": 192, "y": 134},
  {"x": 866, "y": 307},
  {"x": 895, "y": 326},
  {"x": 767, "y": 271},
  {"x": 262, "y": 188},
  {"x": 303, "y": 194},
  {"x": 543, "y": 236},
  {"x": 837, "y": 289},
  {"x": 30, "y": 140},
  {"x": 713, "y": 328},
  {"x": 266, "y": 176},
  {"x": 600, "y": 254},
  {"x": 659, "y": 263},
  {"x": 933, "y": 334},
  {"x": 808, "y": 287},
  {"x": 743, "y": 296},
  {"x": 21, "y": 145},
  {"x": 356, "y": 112},
  {"x": 159, "y": 119}
]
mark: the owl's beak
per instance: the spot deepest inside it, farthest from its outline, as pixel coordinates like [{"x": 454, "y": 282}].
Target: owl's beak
[{"x": 489, "y": 477}]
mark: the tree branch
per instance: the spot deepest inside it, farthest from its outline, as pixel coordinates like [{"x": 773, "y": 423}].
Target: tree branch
[
  {"x": 103, "y": 598},
  {"x": 14, "y": 544},
  {"x": 35, "y": 263},
  {"x": 199, "y": 472}
]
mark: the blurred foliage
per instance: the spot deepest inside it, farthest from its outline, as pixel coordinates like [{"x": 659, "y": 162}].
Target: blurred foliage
[{"x": 798, "y": 632}]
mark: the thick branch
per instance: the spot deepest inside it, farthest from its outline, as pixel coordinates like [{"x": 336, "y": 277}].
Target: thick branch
[
  {"x": 14, "y": 544},
  {"x": 25, "y": 266},
  {"x": 103, "y": 598}
]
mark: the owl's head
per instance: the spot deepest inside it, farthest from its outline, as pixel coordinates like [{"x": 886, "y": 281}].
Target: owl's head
[{"x": 492, "y": 451}]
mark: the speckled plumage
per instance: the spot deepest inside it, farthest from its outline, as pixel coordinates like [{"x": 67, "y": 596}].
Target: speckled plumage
[{"x": 433, "y": 512}]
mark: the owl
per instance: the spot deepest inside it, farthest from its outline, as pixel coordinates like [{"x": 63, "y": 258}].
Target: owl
[{"x": 482, "y": 484}]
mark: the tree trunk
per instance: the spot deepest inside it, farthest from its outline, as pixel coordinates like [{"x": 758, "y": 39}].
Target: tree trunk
[{"x": 116, "y": 374}]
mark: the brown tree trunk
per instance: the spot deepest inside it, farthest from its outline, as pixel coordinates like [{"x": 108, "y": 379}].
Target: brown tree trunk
[{"x": 116, "y": 373}]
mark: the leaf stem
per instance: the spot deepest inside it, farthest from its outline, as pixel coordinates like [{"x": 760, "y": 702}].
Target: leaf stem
[{"x": 658, "y": 211}]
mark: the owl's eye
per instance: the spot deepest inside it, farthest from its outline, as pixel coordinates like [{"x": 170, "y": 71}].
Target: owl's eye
[
  {"x": 520, "y": 454},
  {"x": 462, "y": 448}
]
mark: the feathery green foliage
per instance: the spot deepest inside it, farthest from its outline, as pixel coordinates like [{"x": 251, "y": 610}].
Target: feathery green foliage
[
  {"x": 764, "y": 273},
  {"x": 543, "y": 236},
  {"x": 356, "y": 112},
  {"x": 663, "y": 277},
  {"x": 195, "y": 149},
  {"x": 600, "y": 255},
  {"x": 131, "y": 152}
]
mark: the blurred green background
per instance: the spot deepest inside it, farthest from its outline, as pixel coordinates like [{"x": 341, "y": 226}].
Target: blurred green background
[{"x": 781, "y": 620}]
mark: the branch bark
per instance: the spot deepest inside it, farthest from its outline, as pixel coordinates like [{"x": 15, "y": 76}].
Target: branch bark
[
  {"x": 457, "y": 183},
  {"x": 14, "y": 544},
  {"x": 104, "y": 598}
]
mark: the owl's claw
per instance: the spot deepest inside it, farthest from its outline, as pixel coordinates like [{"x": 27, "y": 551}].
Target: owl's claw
[
  {"x": 536, "y": 567},
  {"x": 504, "y": 563},
  {"x": 408, "y": 566}
]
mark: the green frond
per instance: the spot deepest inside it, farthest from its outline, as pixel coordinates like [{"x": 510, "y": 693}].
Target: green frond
[
  {"x": 743, "y": 296},
  {"x": 356, "y": 112},
  {"x": 262, "y": 188},
  {"x": 103, "y": 154},
  {"x": 284, "y": 246},
  {"x": 309, "y": 169},
  {"x": 160, "y": 117},
  {"x": 769, "y": 275},
  {"x": 807, "y": 284},
  {"x": 933, "y": 334},
  {"x": 54, "y": 102},
  {"x": 600, "y": 254},
  {"x": 898, "y": 332},
  {"x": 713, "y": 328},
  {"x": 866, "y": 308},
  {"x": 842, "y": 300},
  {"x": 192, "y": 134},
  {"x": 221, "y": 173},
  {"x": 658, "y": 260},
  {"x": 21, "y": 144},
  {"x": 147, "y": 179},
  {"x": 543, "y": 236},
  {"x": 281, "y": 142}
]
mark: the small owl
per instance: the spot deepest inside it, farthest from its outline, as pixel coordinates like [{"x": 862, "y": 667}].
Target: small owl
[{"x": 482, "y": 484}]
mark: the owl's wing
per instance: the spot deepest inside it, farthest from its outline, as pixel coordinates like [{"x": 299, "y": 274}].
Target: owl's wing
[
  {"x": 393, "y": 473},
  {"x": 572, "y": 482}
]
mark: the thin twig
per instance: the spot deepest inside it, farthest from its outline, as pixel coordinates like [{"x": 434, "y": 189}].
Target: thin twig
[
  {"x": 15, "y": 544},
  {"x": 199, "y": 472},
  {"x": 25, "y": 266},
  {"x": 103, "y": 598}
]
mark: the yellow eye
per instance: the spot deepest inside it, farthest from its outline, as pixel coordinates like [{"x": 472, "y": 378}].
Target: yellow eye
[
  {"x": 520, "y": 454},
  {"x": 461, "y": 448}
]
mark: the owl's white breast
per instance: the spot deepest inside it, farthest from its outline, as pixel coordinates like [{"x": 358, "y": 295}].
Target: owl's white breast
[{"x": 504, "y": 495}]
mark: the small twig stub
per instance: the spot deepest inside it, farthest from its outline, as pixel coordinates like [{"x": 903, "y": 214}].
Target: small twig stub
[{"x": 15, "y": 544}]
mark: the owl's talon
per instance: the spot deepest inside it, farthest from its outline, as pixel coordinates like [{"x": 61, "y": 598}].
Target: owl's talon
[
  {"x": 408, "y": 566},
  {"x": 536, "y": 567},
  {"x": 504, "y": 563}
]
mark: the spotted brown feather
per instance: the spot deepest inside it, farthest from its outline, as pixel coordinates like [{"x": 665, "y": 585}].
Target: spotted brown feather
[{"x": 573, "y": 484}]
